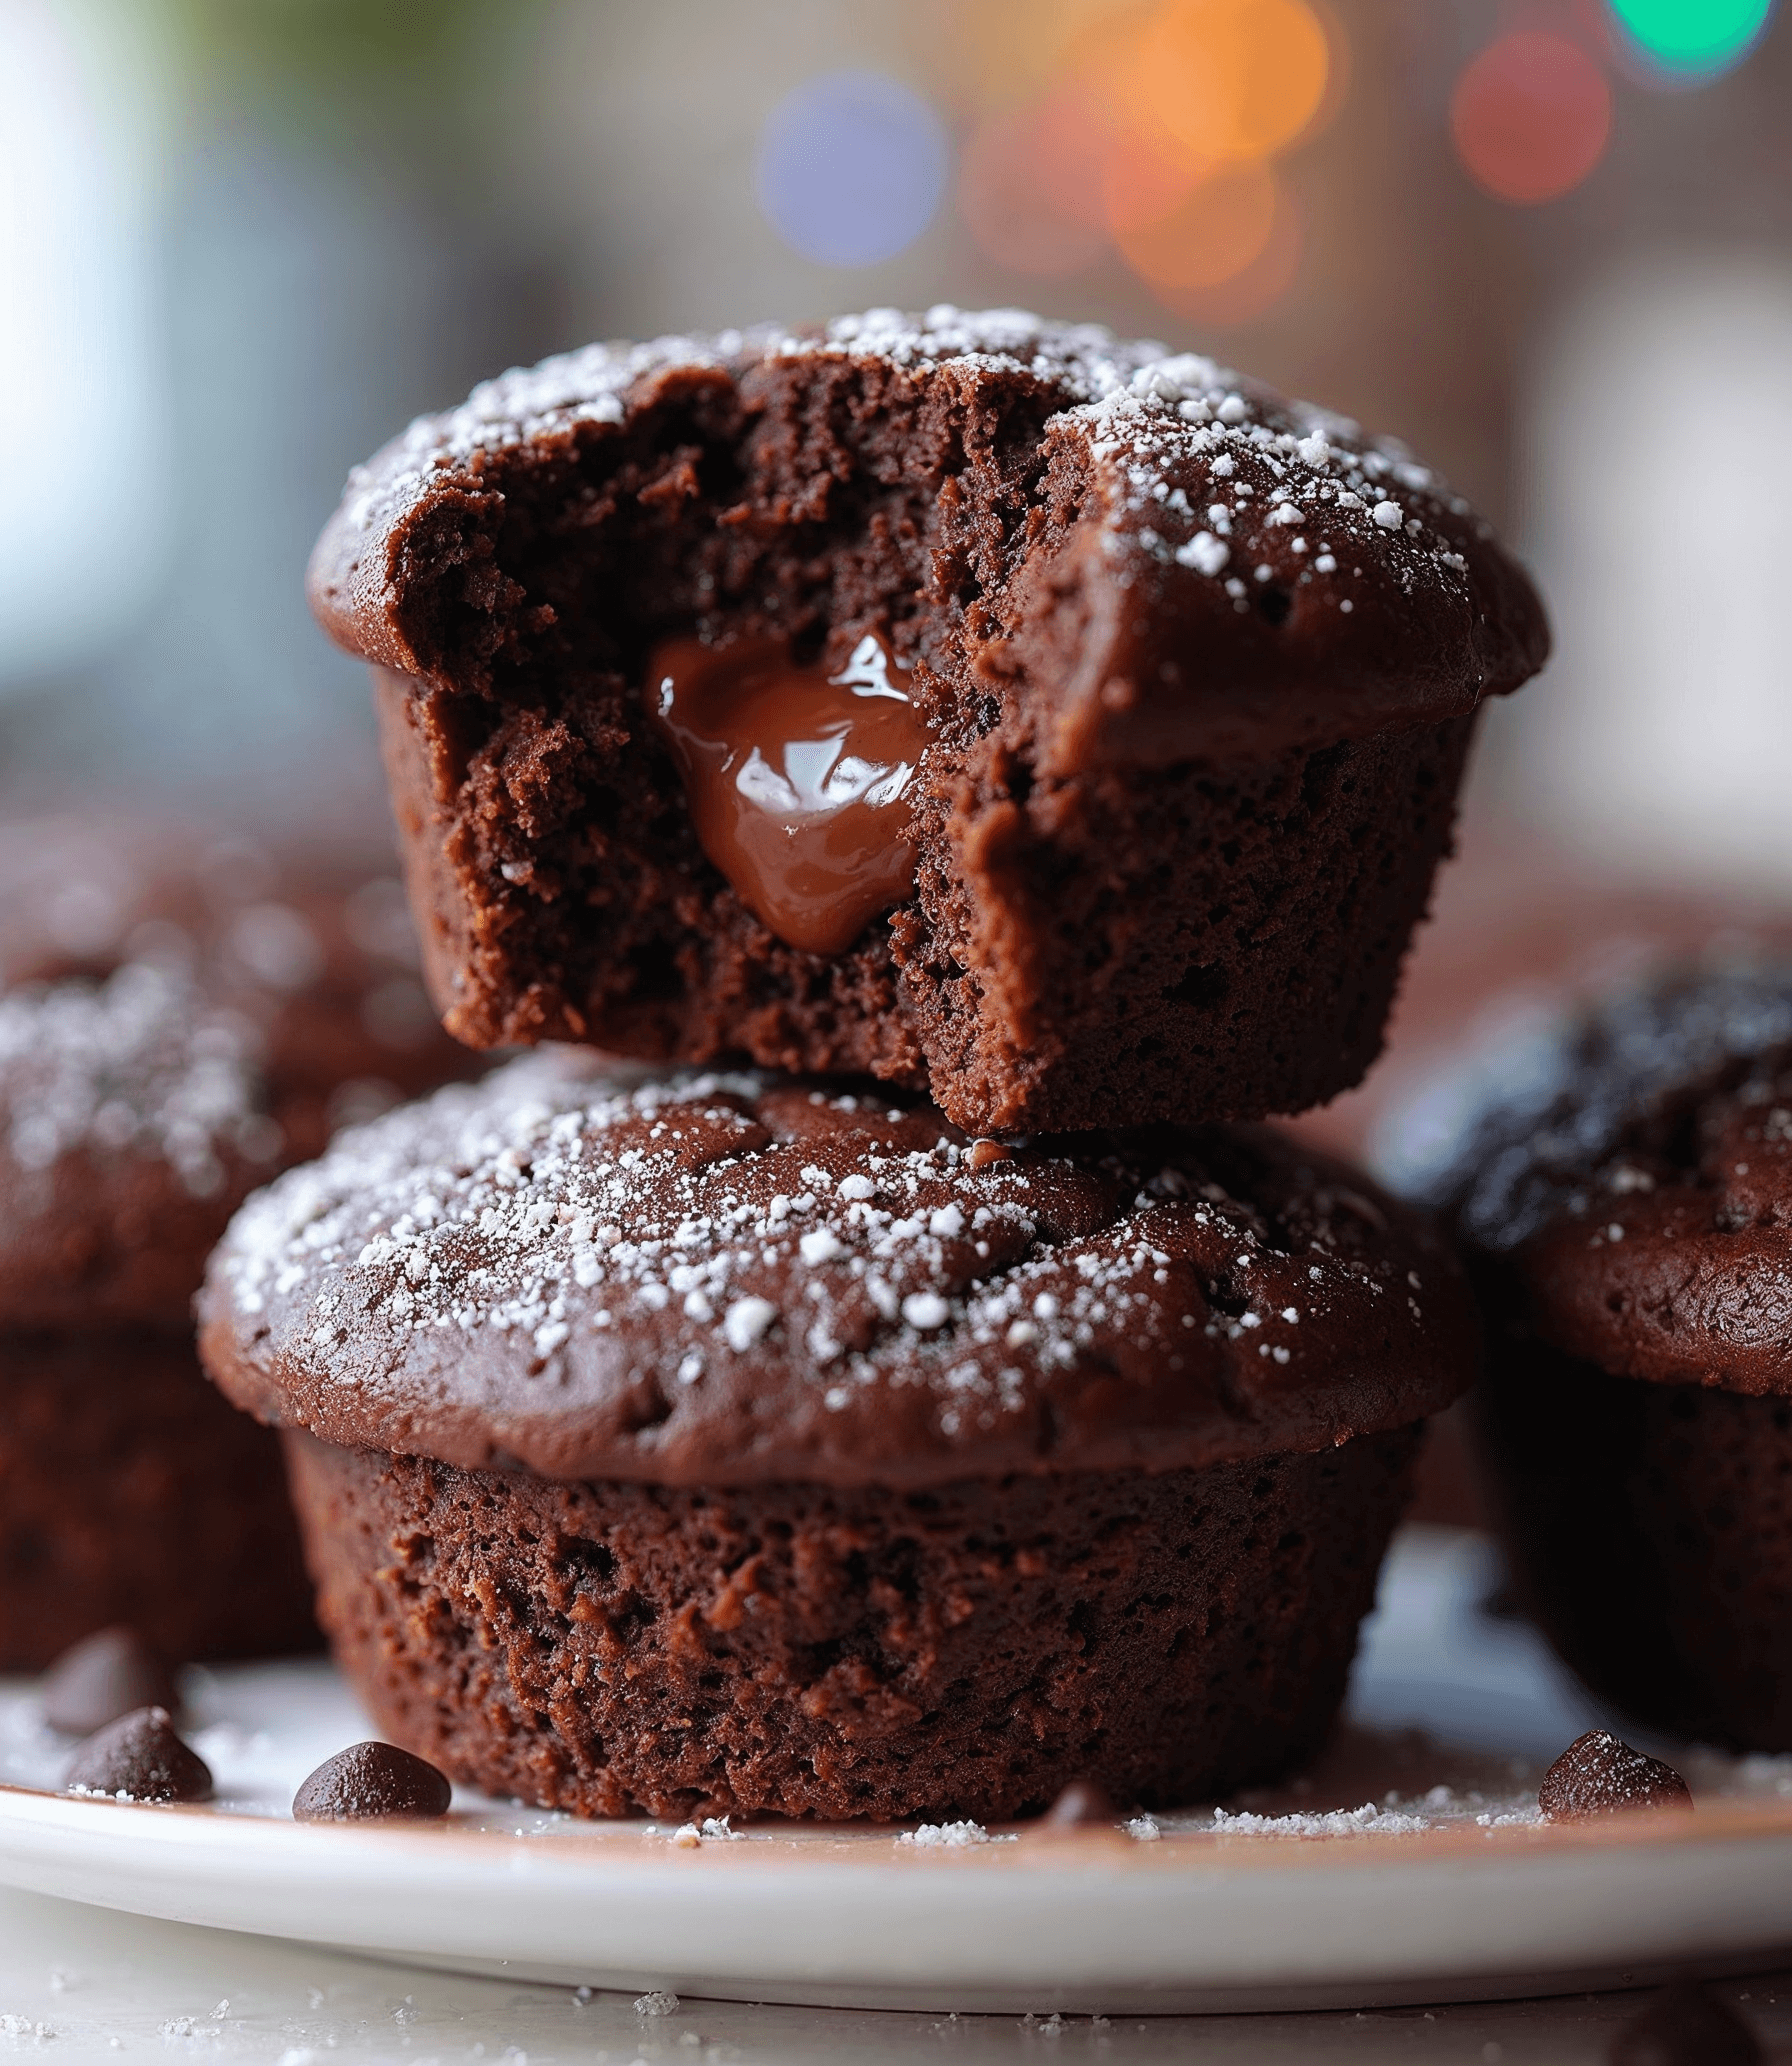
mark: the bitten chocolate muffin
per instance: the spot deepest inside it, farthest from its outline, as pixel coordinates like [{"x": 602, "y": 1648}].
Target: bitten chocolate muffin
[
  {"x": 736, "y": 1445},
  {"x": 1060, "y": 727},
  {"x": 1623, "y": 1180},
  {"x": 183, "y": 1020}
]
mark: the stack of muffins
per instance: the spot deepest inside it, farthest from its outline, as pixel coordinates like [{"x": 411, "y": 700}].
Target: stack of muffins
[
  {"x": 1010, "y": 762},
  {"x": 181, "y": 1016}
]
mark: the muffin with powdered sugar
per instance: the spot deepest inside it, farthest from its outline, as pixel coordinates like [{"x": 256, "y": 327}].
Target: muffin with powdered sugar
[
  {"x": 1621, "y": 1178},
  {"x": 183, "y": 1012},
  {"x": 737, "y": 1444},
  {"x": 1055, "y": 725}
]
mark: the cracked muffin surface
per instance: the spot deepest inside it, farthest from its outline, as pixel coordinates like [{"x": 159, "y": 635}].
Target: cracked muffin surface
[{"x": 727, "y": 1442}]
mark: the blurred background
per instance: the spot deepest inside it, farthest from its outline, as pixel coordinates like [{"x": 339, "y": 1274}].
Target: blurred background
[{"x": 1547, "y": 242}]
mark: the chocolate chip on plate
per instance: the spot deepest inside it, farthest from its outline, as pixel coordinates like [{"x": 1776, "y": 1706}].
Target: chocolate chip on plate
[
  {"x": 369, "y": 1781},
  {"x": 1599, "y": 1774},
  {"x": 139, "y": 1758},
  {"x": 1082, "y": 1805},
  {"x": 1685, "y": 2026},
  {"x": 105, "y": 1675}
]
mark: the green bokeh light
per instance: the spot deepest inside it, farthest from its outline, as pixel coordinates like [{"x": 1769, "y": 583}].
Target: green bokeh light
[{"x": 1693, "y": 35}]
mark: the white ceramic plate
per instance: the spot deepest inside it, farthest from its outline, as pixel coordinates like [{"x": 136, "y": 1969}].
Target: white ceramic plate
[{"x": 1397, "y": 1871}]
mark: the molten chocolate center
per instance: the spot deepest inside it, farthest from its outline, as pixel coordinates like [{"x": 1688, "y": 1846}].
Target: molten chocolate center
[{"x": 798, "y": 781}]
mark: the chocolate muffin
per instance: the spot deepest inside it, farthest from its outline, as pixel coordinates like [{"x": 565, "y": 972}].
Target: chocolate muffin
[
  {"x": 133, "y": 1117},
  {"x": 735, "y": 1445},
  {"x": 183, "y": 1021},
  {"x": 1053, "y": 725},
  {"x": 1623, "y": 1181},
  {"x": 312, "y": 948}
]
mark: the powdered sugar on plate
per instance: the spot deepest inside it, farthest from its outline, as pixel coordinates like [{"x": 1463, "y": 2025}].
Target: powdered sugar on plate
[{"x": 949, "y": 1836}]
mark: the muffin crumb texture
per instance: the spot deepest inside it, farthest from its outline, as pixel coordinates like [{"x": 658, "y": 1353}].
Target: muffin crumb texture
[{"x": 967, "y": 1651}]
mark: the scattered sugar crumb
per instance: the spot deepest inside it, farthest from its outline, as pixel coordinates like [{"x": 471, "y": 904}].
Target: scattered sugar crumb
[
  {"x": 949, "y": 1836},
  {"x": 713, "y": 1829},
  {"x": 1367, "y": 1819}
]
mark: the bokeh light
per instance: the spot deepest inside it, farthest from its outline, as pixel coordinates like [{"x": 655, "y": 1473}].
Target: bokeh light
[
  {"x": 1701, "y": 37},
  {"x": 1073, "y": 139},
  {"x": 852, "y": 166},
  {"x": 1255, "y": 289},
  {"x": 1219, "y": 226},
  {"x": 1002, "y": 53},
  {"x": 1156, "y": 133},
  {"x": 1531, "y": 116},
  {"x": 1029, "y": 186},
  {"x": 1143, "y": 183},
  {"x": 1224, "y": 79}
]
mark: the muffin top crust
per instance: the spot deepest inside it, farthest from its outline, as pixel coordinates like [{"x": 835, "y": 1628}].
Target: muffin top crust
[
  {"x": 1264, "y": 546},
  {"x": 1623, "y": 1176},
  {"x": 736, "y": 1279}
]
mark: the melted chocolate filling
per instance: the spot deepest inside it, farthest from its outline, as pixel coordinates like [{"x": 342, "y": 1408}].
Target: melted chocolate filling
[{"x": 798, "y": 781}]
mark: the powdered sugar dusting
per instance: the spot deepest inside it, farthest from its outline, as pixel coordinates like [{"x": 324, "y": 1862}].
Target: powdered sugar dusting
[
  {"x": 528, "y": 402},
  {"x": 1396, "y": 1814},
  {"x": 138, "y": 1065},
  {"x": 1205, "y": 460},
  {"x": 557, "y": 1242},
  {"x": 1194, "y": 454}
]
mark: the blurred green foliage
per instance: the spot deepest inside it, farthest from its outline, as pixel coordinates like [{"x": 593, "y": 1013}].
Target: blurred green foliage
[
  {"x": 328, "y": 40},
  {"x": 334, "y": 63}
]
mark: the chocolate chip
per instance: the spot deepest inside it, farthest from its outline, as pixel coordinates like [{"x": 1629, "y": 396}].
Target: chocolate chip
[
  {"x": 1082, "y": 1804},
  {"x": 371, "y": 1780},
  {"x": 140, "y": 1758},
  {"x": 104, "y": 1676},
  {"x": 1600, "y": 1775},
  {"x": 1685, "y": 2026}
]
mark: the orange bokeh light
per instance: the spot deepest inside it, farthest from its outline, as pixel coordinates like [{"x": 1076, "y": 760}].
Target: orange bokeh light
[
  {"x": 1247, "y": 294},
  {"x": 1223, "y": 79},
  {"x": 1005, "y": 53},
  {"x": 1072, "y": 142},
  {"x": 1143, "y": 184},
  {"x": 1531, "y": 116},
  {"x": 1158, "y": 136},
  {"x": 1029, "y": 188},
  {"x": 1214, "y": 232}
]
